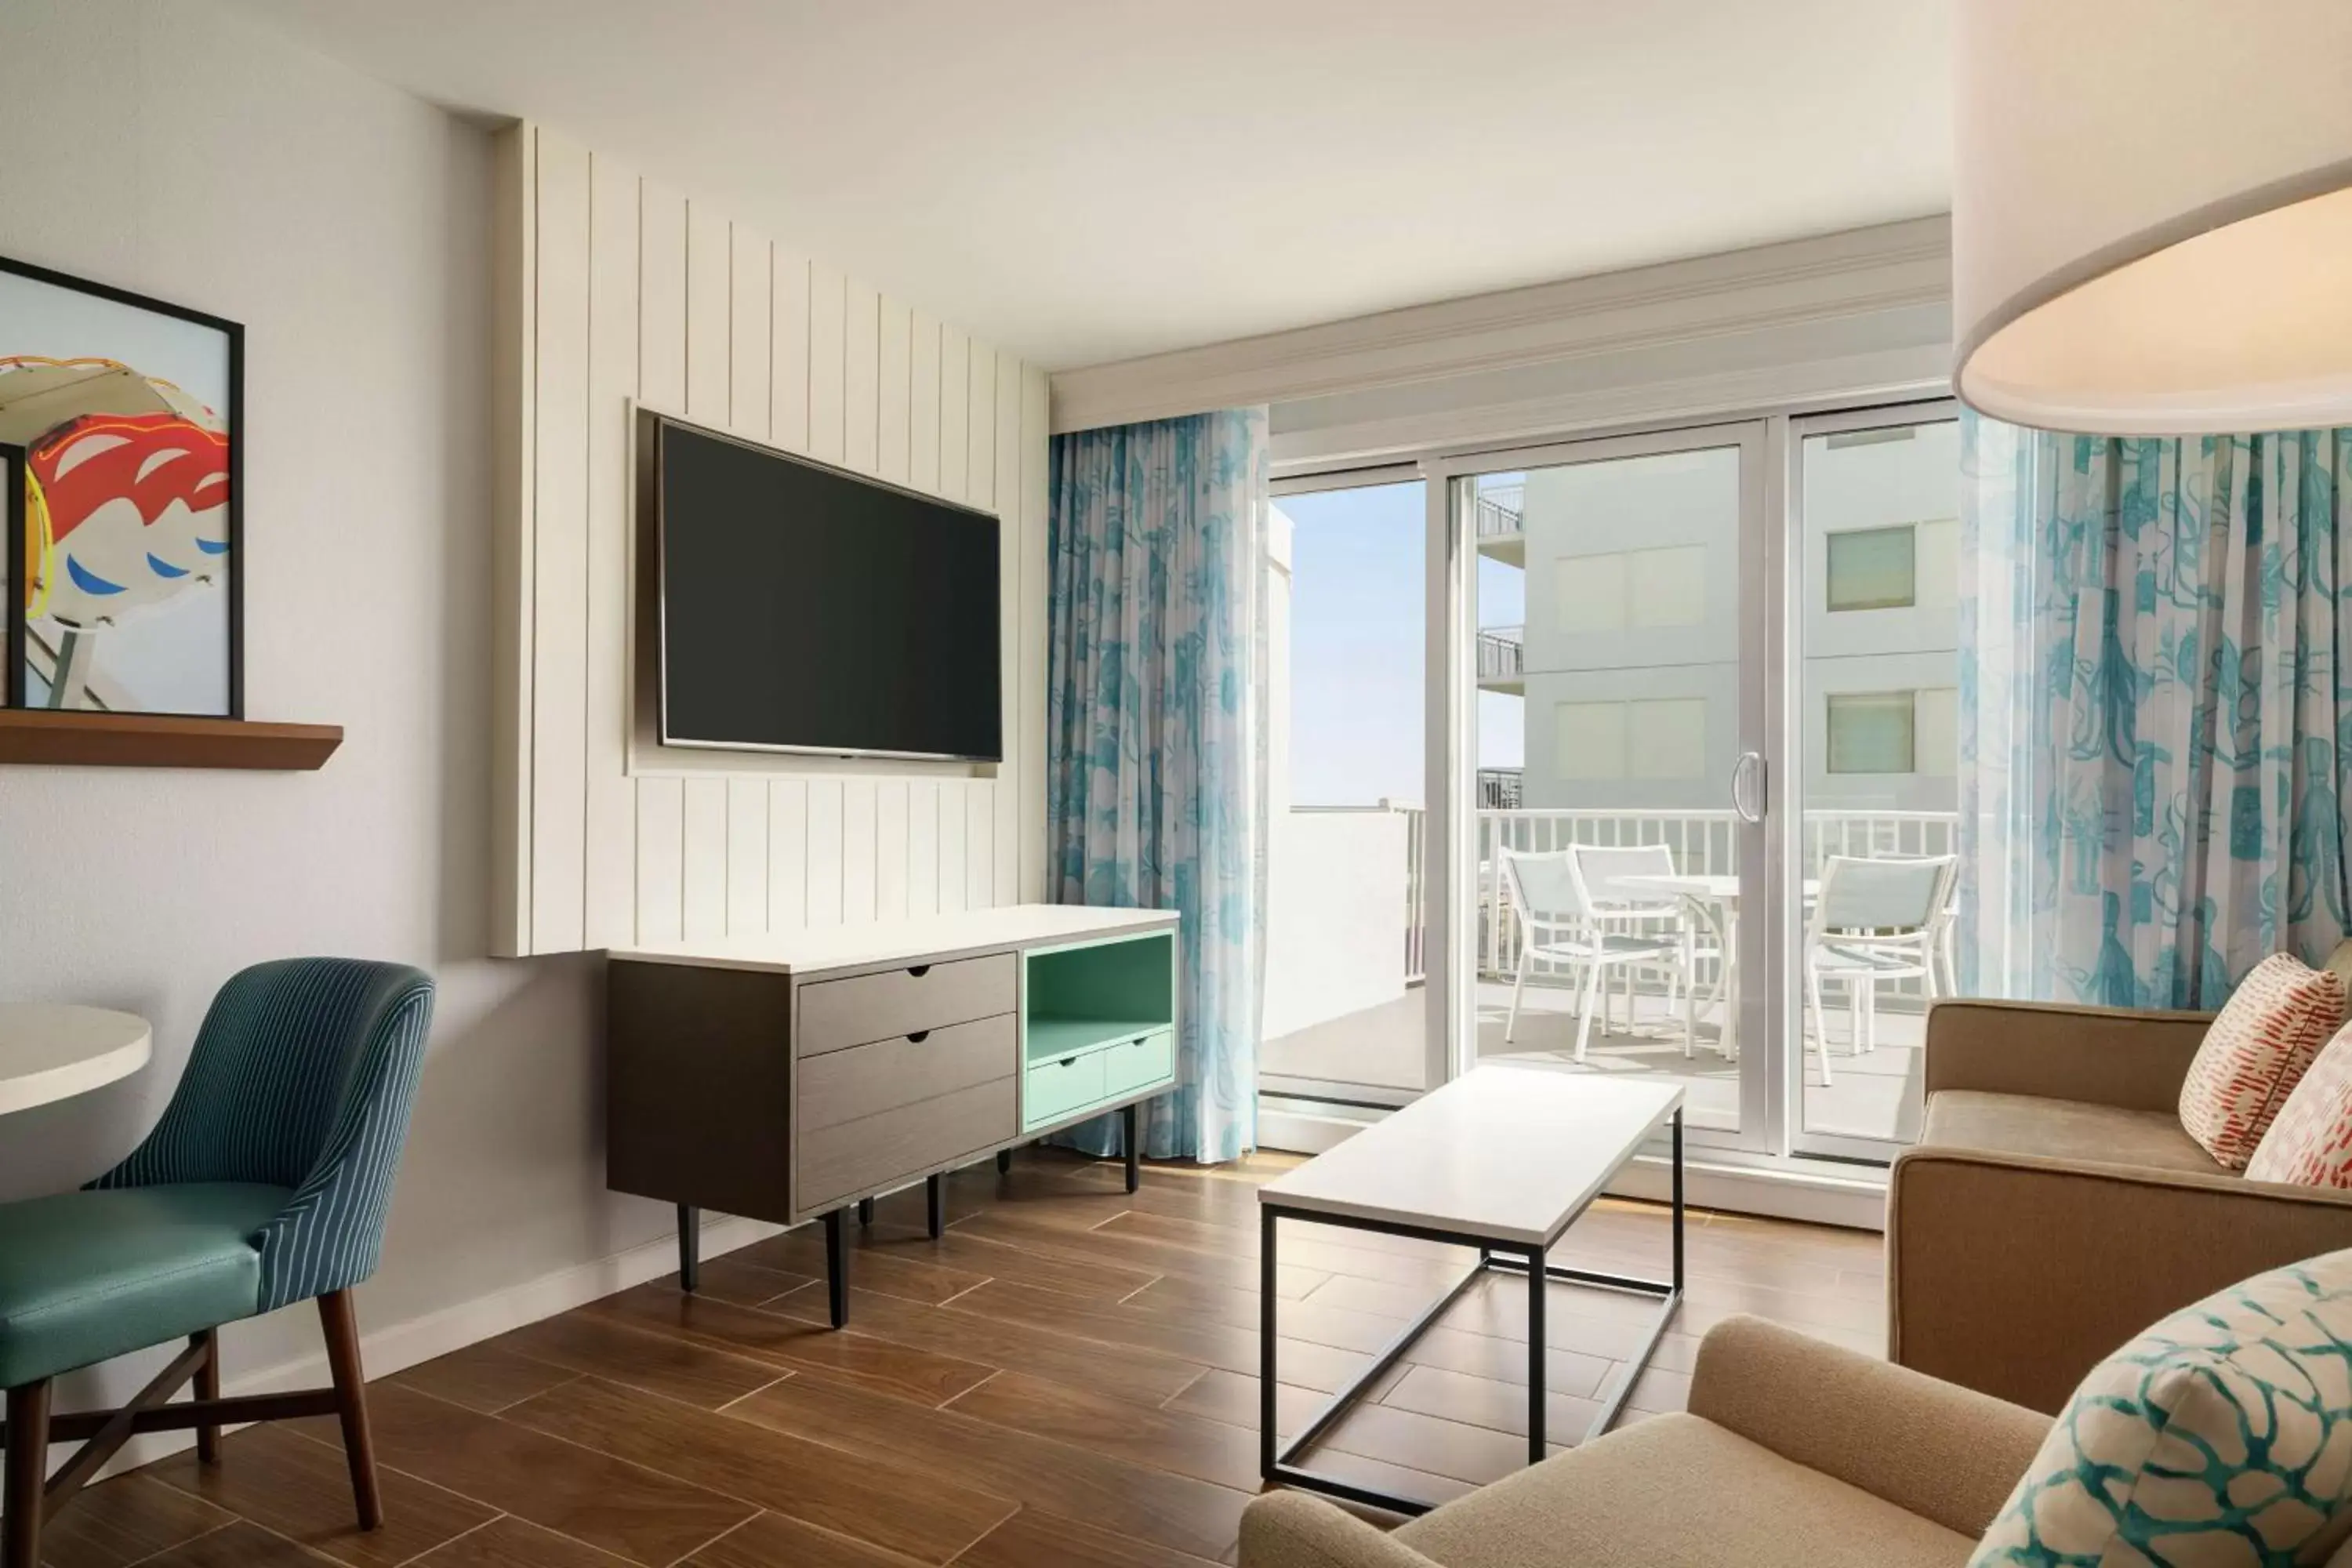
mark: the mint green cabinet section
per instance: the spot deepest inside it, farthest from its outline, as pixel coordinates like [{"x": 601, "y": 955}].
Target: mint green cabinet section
[
  {"x": 1137, "y": 1064},
  {"x": 1054, "y": 1090},
  {"x": 1092, "y": 994}
]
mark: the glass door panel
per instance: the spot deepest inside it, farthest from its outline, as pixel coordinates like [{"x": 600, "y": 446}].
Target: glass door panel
[
  {"x": 1875, "y": 680},
  {"x": 1607, "y": 864},
  {"x": 1346, "y": 1016}
]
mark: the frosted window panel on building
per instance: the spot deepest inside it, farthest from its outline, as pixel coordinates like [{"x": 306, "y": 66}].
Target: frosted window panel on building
[
  {"x": 1939, "y": 569},
  {"x": 1873, "y": 568},
  {"x": 1592, "y": 592},
  {"x": 1665, "y": 738},
  {"x": 1629, "y": 589},
  {"x": 1936, "y": 743},
  {"x": 1870, "y": 732},
  {"x": 1589, "y": 740}
]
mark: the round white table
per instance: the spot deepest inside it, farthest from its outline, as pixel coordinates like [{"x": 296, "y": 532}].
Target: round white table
[
  {"x": 53, "y": 1051},
  {"x": 1715, "y": 901}
]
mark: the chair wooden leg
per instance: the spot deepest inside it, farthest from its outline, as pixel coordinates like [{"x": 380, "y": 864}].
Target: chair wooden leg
[
  {"x": 343, "y": 1328},
  {"x": 28, "y": 1472},
  {"x": 208, "y": 1387}
]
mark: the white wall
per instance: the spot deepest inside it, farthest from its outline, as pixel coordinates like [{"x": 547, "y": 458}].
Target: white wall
[
  {"x": 1335, "y": 939},
  {"x": 179, "y": 151},
  {"x": 619, "y": 289}
]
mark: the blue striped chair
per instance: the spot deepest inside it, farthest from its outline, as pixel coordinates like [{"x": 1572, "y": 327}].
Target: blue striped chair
[{"x": 265, "y": 1183}]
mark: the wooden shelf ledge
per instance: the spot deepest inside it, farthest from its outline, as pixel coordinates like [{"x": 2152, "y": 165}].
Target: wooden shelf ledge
[{"x": 83, "y": 739}]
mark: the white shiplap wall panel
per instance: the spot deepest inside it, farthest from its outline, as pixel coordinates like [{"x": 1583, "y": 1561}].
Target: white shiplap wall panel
[
  {"x": 559, "y": 568},
  {"x": 861, "y": 349},
  {"x": 635, "y": 291},
  {"x": 609, "y": 871}
]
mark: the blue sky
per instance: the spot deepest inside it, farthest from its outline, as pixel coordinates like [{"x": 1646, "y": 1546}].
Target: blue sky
[{"x": 1358, "y": 620}]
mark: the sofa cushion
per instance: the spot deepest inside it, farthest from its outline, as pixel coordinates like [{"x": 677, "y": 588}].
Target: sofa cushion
[
  {"x": 2255, "y": 1054},
  {"x": 1675, "y": 1492},
  {"x": 2070, "y": 1130},
  {"x": 90, "y": 1275},
  {"x": 2222, "y": 1434},
  {"x": 2310, "y": 1144}
]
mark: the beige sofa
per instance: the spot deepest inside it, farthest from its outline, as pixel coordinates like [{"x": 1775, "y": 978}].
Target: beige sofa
[
  {"x": 1794, "y": 1453},
  {"x": 2053, "y": 1207}
]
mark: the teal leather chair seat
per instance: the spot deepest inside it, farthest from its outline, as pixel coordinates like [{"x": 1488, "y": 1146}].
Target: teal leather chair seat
[{"x": 91, "y": 1275}]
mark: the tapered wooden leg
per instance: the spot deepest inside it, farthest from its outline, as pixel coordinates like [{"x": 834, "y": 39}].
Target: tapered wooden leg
[
  {"x": 28, "y": 1468},
  {"x": 689, "y": 1246},
  {"x": 836, "y": 1267},
  {"x": 1133, "y": 1132},
  {"x": 351, "y": 1401},
  {"x": 208, "y": 1387},
  {"x": 1003, "y": 1162},
  {"x": 935, "y": 1199}
]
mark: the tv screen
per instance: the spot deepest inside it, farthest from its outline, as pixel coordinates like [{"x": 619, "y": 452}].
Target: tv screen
[{"x": 803, "y": 609}]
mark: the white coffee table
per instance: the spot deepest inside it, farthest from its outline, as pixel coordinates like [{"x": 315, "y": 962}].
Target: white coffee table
[{"x": 1503, "y": 1159}]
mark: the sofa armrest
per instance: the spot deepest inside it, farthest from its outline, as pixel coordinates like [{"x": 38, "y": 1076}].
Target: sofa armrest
[
  {"x": 1297, "y": 1530},
  {"x": 2106, "y": 1056},
  {"x": 1932, "y": 1448},
  {"x": 2017, "y": 1274}
]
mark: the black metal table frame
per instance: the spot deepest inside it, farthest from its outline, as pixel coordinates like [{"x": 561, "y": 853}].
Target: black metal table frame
[{"x": 1277, "y": 1458}]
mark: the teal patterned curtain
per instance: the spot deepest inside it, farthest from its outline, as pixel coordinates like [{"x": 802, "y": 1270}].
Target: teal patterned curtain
[
  {"x": 1155, "y": 758},
  {"x": 2154, "y": 737}
]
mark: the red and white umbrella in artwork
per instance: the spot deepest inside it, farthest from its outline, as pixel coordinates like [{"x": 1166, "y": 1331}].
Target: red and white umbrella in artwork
[{"x": 126, "y": 492}]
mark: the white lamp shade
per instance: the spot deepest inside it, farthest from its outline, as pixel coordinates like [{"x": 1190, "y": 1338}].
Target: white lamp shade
[{"x": 2152, "y": 213}]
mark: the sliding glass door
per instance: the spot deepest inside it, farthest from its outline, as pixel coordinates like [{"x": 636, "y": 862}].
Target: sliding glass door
[{"x": 1609, "y": 890}]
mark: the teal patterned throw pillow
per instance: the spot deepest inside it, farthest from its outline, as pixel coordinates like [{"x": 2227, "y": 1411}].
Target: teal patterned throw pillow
[{"x": 2221, "y": 1436}]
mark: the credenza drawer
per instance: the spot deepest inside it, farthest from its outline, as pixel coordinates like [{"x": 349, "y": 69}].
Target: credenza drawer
[
  {"x": 866, "y": 1080},
  {"x": 1054, "y": 1089},
  {"x": 1129, "y": 1066},
  {"x": 837, "y": 1014},
  {"x": 852, "y": 1159}
]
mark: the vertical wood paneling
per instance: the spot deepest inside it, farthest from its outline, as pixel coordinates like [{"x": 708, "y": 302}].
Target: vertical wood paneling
[
  {"x": 980, "y": 426},
  {"x": 978, "y": 844},
  {"x": 828, "y": 324},
  {"x": 861, "y": 347},
  {"x": 787, "y": 854},
  {"x": 788, "y": 351},
  {"x": 661, "y": 859},
  {"x": 629, "y": 289},
  {"x": 891, "y": 458},
  {"x": 558, "y": 575},
  {"x": 747, "y": 856},
  {"x": 890, "y": 849},
  {"x": 749, "y": 340},
  {"x": 923, "y": 847},
  {"x": 709, "y": 304},
  {"x": 610, "y": 820},
  {"x": 860, "y": 854},
  {"x": 955, "y": 402},
  {"x": 661, "y": 383},
  {"x": 1029, "y": 691},
  {"x": 953, "y": 817},
  {"x": 825, "y": 813},
  {"x": 705, "y": 851},
  {"x": 923, "y": 402}
]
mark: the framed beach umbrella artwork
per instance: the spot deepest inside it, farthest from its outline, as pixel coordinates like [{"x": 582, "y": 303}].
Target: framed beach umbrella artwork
[{"x": 120, "y": 422}]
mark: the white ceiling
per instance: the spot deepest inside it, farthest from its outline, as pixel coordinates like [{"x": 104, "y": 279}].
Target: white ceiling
[{"x": 1087, "y": 179}]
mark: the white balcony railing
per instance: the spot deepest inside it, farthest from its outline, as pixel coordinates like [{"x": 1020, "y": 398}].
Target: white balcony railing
[
  {"x": 1502, "y": 510},
  {"x": 1501, "y": 653}
]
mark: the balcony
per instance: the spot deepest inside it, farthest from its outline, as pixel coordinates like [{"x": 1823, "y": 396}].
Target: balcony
[
  {"x": 1371, "y": 1029},
  {"x": 1502, "y": 524},
  {"x": 1503, "y": 659}
]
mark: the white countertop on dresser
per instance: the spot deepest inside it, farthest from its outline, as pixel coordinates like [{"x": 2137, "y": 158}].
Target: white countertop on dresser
[{"x": 928, "y": 939}]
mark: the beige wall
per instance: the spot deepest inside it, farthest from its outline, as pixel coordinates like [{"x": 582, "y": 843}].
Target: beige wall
[{"x": 616, "y": 290}]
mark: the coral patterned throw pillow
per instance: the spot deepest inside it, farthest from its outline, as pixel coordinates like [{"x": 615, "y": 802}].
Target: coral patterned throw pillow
[
  {"x": 2310, "y": 1144},
  {"x": 2255, "y": 1054}
]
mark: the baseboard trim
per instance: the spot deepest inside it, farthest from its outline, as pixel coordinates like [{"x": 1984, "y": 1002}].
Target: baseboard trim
[{"x": 396, "y": 1347}]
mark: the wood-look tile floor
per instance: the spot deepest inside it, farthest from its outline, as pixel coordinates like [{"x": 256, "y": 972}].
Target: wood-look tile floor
[{"x": 1067, "y": 1380}]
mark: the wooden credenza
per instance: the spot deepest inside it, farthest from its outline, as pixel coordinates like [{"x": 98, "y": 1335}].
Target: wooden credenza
[{"x": 797, "y": 1077}]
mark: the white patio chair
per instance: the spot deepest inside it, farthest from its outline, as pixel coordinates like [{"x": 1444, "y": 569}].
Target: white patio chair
[
  {"x": 1873, "y": 920},
  {"x": 1559, "y": 922}
]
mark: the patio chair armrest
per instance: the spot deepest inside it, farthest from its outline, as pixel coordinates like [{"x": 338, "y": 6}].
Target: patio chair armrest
[
  {"x": 1933, "y": 1448},
  {"x": 2129, "y": 1058},
  {"x": 1295, "y": 1530}
]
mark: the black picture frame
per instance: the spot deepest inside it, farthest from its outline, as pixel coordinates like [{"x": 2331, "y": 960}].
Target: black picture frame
[{"x": 232, "y": 333}]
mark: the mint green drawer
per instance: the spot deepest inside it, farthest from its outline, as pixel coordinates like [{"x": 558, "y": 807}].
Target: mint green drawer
[
  {"x": 1129, "y": 1066},
  {"x": 1054, "y": 1090}
]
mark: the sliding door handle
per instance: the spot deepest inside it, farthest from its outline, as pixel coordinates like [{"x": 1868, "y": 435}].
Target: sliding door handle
[{"x": 1751, "y": 783}]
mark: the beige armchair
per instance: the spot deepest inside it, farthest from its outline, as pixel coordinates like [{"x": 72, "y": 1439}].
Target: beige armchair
[
  {"x": 2053, "y": 1207},
  {"x": 1794, "y": 1453}
]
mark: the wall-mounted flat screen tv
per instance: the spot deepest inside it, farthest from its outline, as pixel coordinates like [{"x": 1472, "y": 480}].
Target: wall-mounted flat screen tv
[{"x": 804, "y": 608}]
